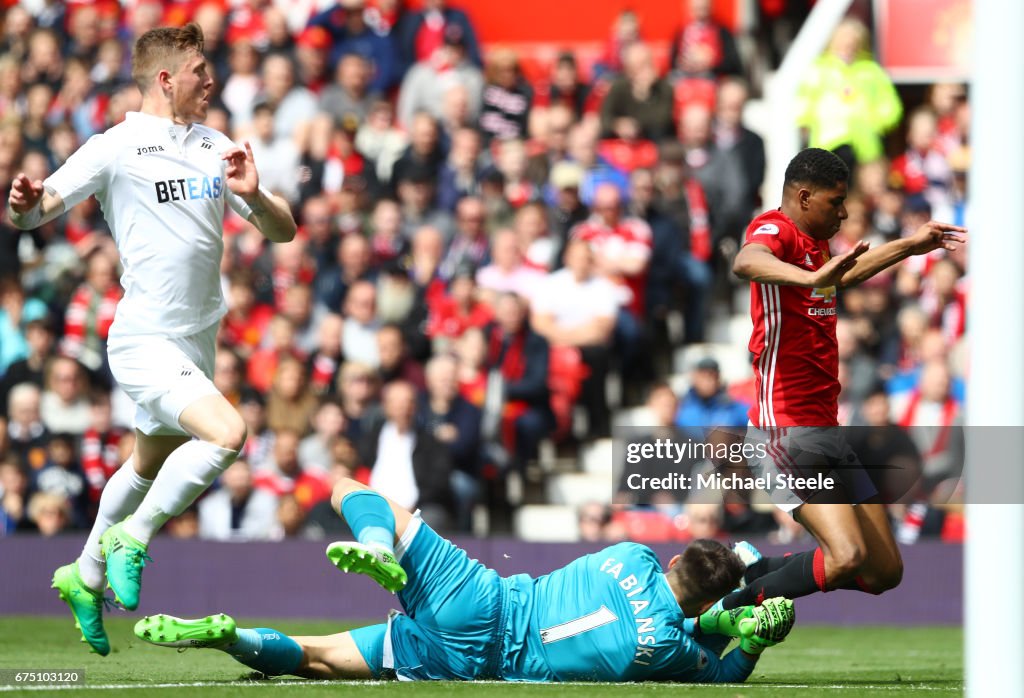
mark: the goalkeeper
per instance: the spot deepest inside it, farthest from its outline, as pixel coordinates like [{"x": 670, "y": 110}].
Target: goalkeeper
[{"x": 615, "y": 615}]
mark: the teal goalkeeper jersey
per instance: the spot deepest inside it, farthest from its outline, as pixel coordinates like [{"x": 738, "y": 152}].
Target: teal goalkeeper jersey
[{"x": 609, "y": 616}]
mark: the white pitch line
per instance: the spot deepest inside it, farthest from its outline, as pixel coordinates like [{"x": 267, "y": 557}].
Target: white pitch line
[{"x": 288, "y": 683}]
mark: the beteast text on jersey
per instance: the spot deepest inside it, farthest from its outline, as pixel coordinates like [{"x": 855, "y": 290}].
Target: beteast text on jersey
[{"x": 188, "y": 188}]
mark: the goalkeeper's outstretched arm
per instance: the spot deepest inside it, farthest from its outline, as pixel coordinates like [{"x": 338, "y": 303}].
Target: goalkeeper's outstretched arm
[{"x": 757, "y": 627}]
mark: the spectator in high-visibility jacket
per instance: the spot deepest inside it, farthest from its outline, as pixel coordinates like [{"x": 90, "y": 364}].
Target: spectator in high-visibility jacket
[{"x": 847, "y": 102}]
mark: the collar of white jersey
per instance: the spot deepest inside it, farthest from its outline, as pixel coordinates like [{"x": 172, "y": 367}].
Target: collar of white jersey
[{"x": 178, "y": 130}]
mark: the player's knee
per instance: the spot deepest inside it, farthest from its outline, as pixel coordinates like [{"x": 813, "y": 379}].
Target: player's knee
[
  {"x": 890, "y": 577},
  {"x": 345, "y": 486},
  {"x": 230, "y": 434},
  {"x": 844, "y": 561}
]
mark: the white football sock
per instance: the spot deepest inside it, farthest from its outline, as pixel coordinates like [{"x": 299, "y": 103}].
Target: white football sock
[
  {"x": 187, "y": 473},
  {"x": 121, "y": 496}
]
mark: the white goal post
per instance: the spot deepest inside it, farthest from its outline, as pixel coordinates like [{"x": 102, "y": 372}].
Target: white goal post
[{"x": 994, "y": 557}]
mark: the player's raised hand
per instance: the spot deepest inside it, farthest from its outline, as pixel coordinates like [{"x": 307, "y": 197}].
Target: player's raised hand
[
  {"x": 25, "y": 194},
  {"x": 241, "y": 174},
  {"x": 934, "y": 235},
  {"x": 832, "y": 271}
]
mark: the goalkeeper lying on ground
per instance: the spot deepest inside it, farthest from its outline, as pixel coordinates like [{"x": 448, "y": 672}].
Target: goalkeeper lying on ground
[{"x": 611, "y": 616}]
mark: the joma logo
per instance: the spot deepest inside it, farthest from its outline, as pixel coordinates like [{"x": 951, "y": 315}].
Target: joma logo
[{"x": 147, "y": 149}]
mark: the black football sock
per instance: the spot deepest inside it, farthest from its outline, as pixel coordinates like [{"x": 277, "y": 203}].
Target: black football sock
[
  {"x": 767, "y": 565},
  {"x": 802, "y": 574}
]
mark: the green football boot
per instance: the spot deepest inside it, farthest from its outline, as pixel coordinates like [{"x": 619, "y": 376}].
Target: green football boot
[
  {"x": 126, "y": 557},
  {"x": 377, "y": 563},
  {"x": 168, "y": 631},
  {"x": 86, "y": 606}
]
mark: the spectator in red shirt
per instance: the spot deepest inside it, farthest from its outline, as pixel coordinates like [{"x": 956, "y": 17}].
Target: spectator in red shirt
[
  {"x": 263, "y": 363},
  {"x": 625, "y": 32},
  {"x": 323, "y": 364},
  {"x": 565, "y": 89},
  {"x": 947, "y": 99},
  {"x": 246, "y": 323},
  {"x": 621, "y": 244},
  {"x": 471, "y": 354},
  {"x": 703, "y": 48},
  {"x": 310, "y": 55},
  {"x": 944, "y": 300},
  {"x": 99, "y": 448},
  {"x": 90, "y": 313},
  {"x": 291, "y": 266},
  {"x": 922, "y": 170},
  {"x": 934, "y": 420},
  {"x": 458, "y": 310},
  {"x": 284, "y": 475},
  {"x": 422, "y": 33}
]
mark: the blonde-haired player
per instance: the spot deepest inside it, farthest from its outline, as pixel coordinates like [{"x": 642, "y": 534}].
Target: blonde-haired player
[{"x": 162, "y": 180}]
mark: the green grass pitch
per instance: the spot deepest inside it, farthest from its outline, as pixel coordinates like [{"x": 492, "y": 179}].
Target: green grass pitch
[{"x": 814, "y": 661}]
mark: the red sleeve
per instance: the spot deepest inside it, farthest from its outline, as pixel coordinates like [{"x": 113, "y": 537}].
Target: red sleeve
[{"x": 776, "y": 237}]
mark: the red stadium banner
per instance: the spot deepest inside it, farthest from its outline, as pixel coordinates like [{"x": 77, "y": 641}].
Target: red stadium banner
[
  {"x": 924, "y": 40},
  {"x": 576, "y": 21}
]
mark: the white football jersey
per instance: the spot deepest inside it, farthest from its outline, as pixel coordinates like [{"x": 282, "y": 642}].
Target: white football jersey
[{"x": 162, "y": 190}]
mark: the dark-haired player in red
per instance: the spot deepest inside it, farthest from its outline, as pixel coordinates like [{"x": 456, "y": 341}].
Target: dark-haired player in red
[{"x": 794, "y": 281}]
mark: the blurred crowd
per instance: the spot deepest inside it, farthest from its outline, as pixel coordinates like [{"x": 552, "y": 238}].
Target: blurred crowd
[{"x": 487, "y": 242}]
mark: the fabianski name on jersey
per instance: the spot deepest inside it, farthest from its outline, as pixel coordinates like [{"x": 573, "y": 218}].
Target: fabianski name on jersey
[{"x": 188, "y": 188}]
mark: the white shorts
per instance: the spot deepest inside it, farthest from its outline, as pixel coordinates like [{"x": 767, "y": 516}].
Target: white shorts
[
  {"x": 818, "y": 454},
  {"x": 164, "y": 375}
]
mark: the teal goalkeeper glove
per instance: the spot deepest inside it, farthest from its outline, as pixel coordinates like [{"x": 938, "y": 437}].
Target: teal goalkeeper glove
[{"x": 769, "y": 625}]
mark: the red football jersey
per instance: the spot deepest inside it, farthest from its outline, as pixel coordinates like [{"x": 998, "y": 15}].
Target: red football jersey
[
  {"x": 796, "y": 357},
  {"x": 631, "y": 236}
]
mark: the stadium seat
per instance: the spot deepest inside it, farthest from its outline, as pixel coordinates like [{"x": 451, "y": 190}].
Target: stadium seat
[
  {"x": 546, "y": 523},
  {"x": 632, "y": 417},
  {"x": 680, "y": 383},
  {"x": 579, "y": 488},
  {"x": 597, "y": 457}
]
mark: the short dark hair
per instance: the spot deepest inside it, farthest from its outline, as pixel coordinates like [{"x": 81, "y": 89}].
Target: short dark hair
[
  {"x": 164, "y": 47},
  {"x": 818, "y": 167},
  {"x": 707, "y": 571}
]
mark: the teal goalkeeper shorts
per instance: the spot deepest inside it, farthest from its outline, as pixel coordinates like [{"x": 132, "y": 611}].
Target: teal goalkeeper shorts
[{"x": 455, "y": 613}]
